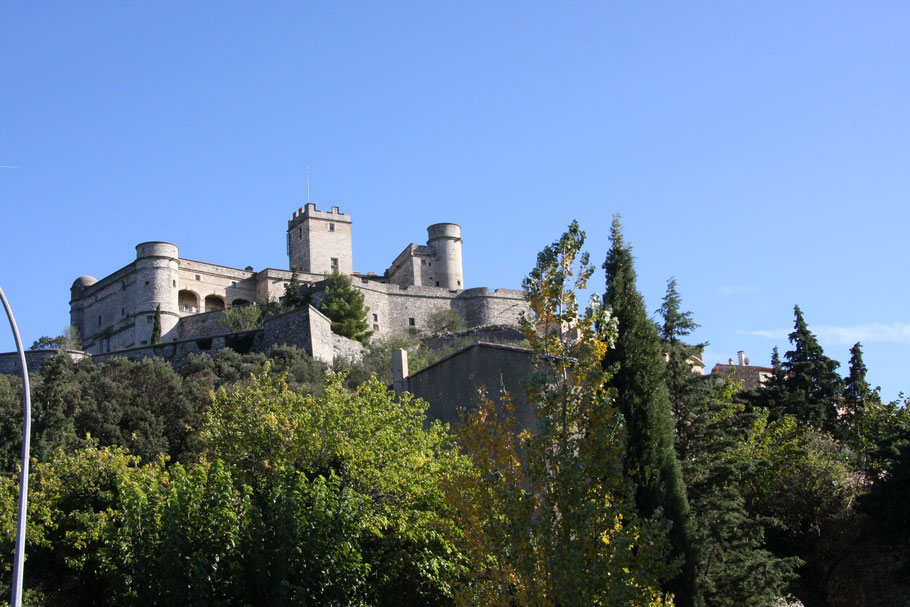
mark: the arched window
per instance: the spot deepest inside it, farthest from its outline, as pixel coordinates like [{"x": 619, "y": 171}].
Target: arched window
[
  {"x": 213, "y": 303},
  {"x": 188, "y": 301}
]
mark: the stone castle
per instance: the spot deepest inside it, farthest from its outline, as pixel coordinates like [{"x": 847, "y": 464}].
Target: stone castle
[{"x": 116, "y": 313}]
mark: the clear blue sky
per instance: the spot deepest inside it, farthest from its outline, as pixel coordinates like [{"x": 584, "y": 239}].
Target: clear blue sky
[{"x": 758, "y": 152}]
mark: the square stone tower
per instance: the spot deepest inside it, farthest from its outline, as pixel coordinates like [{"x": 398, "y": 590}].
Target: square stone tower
[{"x": 320, "y": 241}]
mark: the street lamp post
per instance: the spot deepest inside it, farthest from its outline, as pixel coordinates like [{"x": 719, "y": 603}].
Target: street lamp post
[{"x": 23, "y": 475}]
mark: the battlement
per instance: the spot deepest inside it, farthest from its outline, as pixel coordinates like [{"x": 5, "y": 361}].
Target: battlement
[
  {"x": 156, "y": 249},
  {"x": 310, "y": 212}
]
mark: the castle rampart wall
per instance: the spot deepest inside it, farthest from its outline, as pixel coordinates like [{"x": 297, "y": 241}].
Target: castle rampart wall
[
  {"x": 482, "y": 307},
  {"x": 34, "y": 359},
  {"x": 207, "y": 324}
]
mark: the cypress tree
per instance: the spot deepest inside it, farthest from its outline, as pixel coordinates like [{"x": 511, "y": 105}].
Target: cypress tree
[
  {"x": 812, "y": 384},
  {"x": 639, "y": 373},
  {"x": 156, "y": 328},
  {"x": 732, "y": 563}
]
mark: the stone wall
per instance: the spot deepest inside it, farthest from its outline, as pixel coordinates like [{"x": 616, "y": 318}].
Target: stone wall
[
  {"x": 35, "y": 359},
  {"x": 502, "y": 334},
  {"x": 202, "y": 325},
  {"x": 347, "y": 349},
  {"x": 451, "y": 384},
  {"x": 105, "y": 310},
  {"x": 309, "y": 330},
  {"x": 483, "y": 307},
  {"x": 174, "y": 350}
]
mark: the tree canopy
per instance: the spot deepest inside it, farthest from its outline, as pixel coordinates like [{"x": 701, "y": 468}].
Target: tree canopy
[
  {"x": 638, "y": 377},
  {"x": 343, "y": 304}
]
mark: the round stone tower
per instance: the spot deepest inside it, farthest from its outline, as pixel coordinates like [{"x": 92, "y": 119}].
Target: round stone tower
[
  {"x": 157, "y": 269},
  {"x": 445, "y": 240},
  {"x": 78, "y": 302}
]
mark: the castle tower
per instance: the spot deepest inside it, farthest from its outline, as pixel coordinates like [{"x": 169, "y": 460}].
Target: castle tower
[
  {"x": 320, "y": 241},
  {"x": 157, "y": 268},
  {"x": 445, "y": 240}
]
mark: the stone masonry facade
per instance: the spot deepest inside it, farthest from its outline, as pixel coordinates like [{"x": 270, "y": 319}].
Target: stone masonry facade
[{"x": 116, "y": 313}]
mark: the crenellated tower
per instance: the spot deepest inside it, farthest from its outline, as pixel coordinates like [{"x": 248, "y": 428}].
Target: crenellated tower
[{"x": 320, "y": 241}]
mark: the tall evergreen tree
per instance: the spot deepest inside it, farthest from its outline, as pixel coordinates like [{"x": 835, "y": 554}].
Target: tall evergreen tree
[
  {"x": 857, "y": 395},
  {"x": 733, "y": 565},
  {"x": 343, "y": 304},
  {"x": 639, "y": 372},
  {"x": 812, "y": 383},
  {"x": 156, "y": 328},
  {"x": 681, "y": 388}
]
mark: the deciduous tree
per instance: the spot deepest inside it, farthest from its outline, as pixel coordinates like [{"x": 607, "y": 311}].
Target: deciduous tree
[{"x": 548, "y": 518}]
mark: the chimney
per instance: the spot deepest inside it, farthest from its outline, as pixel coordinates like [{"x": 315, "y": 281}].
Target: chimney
[
  {"x": 399, "y": 370},
  {"x": 741, "y": 355}
]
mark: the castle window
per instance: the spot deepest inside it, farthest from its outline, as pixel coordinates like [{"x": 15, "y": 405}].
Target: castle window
[
  {"x": 197, "y": 277},
  {"x": 299, "y": 233},
  {"x": 188, "y": 301},
  {"x": 122, "y": 312},
  {"x": 233, "y": 283},
  {"x": 375, "y": 327},
  {"x": 99, "y": 320},
  {"x": 331, "y": 227},
  {"x": 334, "y": 264},
  {"x": 175, "y": 282},
  {"x": 437, "y": 283},
  {"x": 411, "y": 322},
  {"x": 459, "y": 283},
  {"x": 375, "y": 317},
  {"x": 146, "y": 283}
]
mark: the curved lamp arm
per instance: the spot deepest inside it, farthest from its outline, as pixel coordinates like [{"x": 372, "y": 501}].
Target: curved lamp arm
[{"x": 23, "y": 475}]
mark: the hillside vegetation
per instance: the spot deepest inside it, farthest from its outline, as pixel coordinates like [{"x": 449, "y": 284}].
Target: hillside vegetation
[{"x": 274, "y": 480}]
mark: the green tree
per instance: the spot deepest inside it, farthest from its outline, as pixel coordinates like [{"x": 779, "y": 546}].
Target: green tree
[
  {"x": 376, "y": 446},
  {"x": 67, "y": 340},
  {"x": 857, "y": 399},
  {"x": 156, "y": 328},
  {"x": 445, "y": 320},
  {"x": 243, "y": 318},
  {"x": 639, "y": 380},
  {"x": 296, "y": 294},
  {"x": 813, "y": 387},
  {"x": 343, "y": 304},
  {"x": 800, "y": 478},
  {"x": 547, "y": 518},
  {"x": 734, "y": 566}
]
